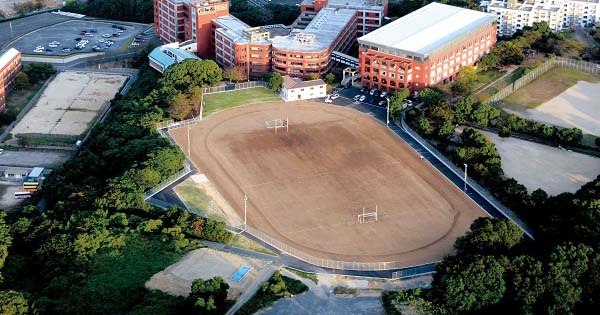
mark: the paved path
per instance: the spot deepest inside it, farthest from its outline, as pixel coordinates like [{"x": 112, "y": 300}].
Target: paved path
[{"x": 263, "y": 276}]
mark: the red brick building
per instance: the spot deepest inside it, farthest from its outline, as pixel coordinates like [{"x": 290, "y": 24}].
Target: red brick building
[
  {"x": 369, "y": 13},
  {"x": 181, "y": 20},
  {"x": 10, "y": 65},
  {"x": 426, "y": 47}
]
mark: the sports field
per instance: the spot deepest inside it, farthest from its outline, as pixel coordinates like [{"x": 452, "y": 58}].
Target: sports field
[
  {"x": 70, "y": 103},
  {"x": 306, "y": 187},
  {"x": 220, "y": 101}
]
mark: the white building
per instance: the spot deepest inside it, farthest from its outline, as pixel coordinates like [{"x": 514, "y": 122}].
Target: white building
[
  {"x": 560, "y": 15},
  {"x": 294, "y": 89}
]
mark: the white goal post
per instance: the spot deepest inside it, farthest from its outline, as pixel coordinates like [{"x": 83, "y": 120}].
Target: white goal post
[
  {"x": 278, "y": 123},
  {"x": 368, "y": 216}
]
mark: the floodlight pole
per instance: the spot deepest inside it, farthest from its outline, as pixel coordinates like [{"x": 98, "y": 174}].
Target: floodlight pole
[
  {"x": 245, "y": 209},
  {"x": 465, "y": 189},
  {"x": 388, "y": 111}
]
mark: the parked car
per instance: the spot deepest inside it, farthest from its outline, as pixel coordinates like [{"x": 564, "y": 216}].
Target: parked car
[
  {"x": 77, "y": 39},
  {"x": 106, "y": 35},
  {"x": 116, "y": 35},
  {"x": 356, "y": 97},
  {"x": 52, "y": 45},
  {"x": 82, "y": 33},
  {"x": 382, "y": 103},
  {"x": 66, "y": 50},
  {"x": 372, "y": 92},
  {"x": 334, "y": 96},
  {"x": 328, "y": 100},
  {"x": 89, "y": 35},
  {"x": 362, "y": 98},
  {"x": 93, "y": 30},
  {"x": 383, "y": 94}
]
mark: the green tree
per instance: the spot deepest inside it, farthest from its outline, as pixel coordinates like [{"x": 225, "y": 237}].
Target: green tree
[
  {"x": 489, "y": 236},
  {"x": 329, "y": 78},
  {"x": 5, "y": 240},
  {"x": 189, "y": 73},
  {"x": 430, "y": 96},
  {"x": 274, "y": 80},
  {"x": 22, "y": 81},
  {"x": 312, "y": 76},
  {"x": 13, "y": 303},
  {"x": 484, "y": 114},
  {"x": 179, "y": 107},
  {"x": 208, "y": 297},
  {"x": 463, "y": 109},
  {"x": 509, "y": 53},
  {"x": 462, "y": 286},
  {"x": 38, "y": 71},
  {"x": 235, "y": 74},
  {"x": 396, "y": 99},
  {"x": 489, "y": 61},
  {"x": 465, "y": 82},
  {"x": 525, "y": 283}
]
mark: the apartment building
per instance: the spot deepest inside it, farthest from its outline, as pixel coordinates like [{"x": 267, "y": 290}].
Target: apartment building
[
  {"x": 426, "y": 47},
  {"x": 10, "y": 65},
  {"x": 370, "y": 14},
  {"x": 294, "y": 52},
  {"x": 513, "y": 15}
]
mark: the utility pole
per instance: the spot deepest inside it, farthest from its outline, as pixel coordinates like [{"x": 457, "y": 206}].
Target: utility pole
[
  {"x": 245, "y": 209},
  {"x": 465, "y": 189},
  {"x": 11, "y": 30},
  {"x": 188, "y": 146}
]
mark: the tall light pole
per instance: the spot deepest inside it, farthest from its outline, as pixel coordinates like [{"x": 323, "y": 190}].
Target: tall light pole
[
  {"x": 188, "y": 138},
  {"x": 465, "y": 189},
  {"x": 245, "y": 209},
  {"x": 388, "y": 110}
]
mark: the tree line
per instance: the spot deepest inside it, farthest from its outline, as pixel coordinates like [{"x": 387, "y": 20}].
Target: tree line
[
  {"x": 141, "y": 11},
  {"x": 272, "y": 13},
  {"x": 97, "y": 241}
]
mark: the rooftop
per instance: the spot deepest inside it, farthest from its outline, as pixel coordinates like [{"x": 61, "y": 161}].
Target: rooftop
[
  {"x": 423, "y": 31},
  {"x": 320, "y": 33},
  {"x": 352, "y": 4},
  {"x": 232, "y": 26},
  {"x": 295, "y": 83},
  {"x": 7, "y": 57},
  {"x": 167, "y": 55}
]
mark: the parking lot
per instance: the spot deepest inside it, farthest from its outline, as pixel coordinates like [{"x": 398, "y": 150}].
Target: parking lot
[
  {"x": 356, "y": 95},
  {"x": 27, "y": 24},
  {"x": 79, "y": 37}
]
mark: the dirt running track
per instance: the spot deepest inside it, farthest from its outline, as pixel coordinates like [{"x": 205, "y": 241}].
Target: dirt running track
[{"x": 306, "y": 187}]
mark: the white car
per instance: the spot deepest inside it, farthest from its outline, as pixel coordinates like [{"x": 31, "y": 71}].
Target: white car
[
  {"x": 334, "y": 96},
  {"x": 356, "y": 97},
  {"x": 106, "y": 35},
  {"x": 89, "y": 35},
  {"x": 52, "y": 45},
  {"x": 383, "y": 94},
  {"x": 328, "y": 100},
  {"x": 66, "y": 50},
  {"x": 39, "y": 47},
  {"x": 55, "y": 42},
  {"x": 102, "y": 40},
  {"x": 39, "y": 51},
  {"x": 362, "y": 98}
]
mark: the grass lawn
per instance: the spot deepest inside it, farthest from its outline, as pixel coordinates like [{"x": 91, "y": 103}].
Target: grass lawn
[
  {"x": 220, "y": 101},
  {"x": 244, "y": 242},
  {"x": 486, "y": 77},
  {"x": 197, "y": 200},
  {"x": 547, "y": 86},
  {"x": 307, "y": 275},
  {"x": 17, "y": 99}
]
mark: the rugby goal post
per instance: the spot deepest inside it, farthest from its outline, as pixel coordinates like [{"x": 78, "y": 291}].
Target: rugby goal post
[
  {"x": 278, "y": 123},
  {"x": 368, "y": 216}
]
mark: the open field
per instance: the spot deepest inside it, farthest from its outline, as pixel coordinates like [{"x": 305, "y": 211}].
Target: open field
[
  {"x": 8, "y": 6},
  {"x": 220, "y": 101},
  {"x": 546, "y": 87},
  {"x": 205, "y": 263},
  {"x": 70, "y": 103},
  {"x": 576, "y": 107},
  {"x": 540, "y": 166},
  {"x": 306, "y": 187}
]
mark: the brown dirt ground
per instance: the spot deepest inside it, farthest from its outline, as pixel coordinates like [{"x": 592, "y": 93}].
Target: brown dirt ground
[{"x": 306, "y": 187}]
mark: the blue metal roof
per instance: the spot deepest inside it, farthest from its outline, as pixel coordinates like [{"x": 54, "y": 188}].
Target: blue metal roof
[
  {"x": 182, "y": 53},
  {"x": 161, "y": 57}
]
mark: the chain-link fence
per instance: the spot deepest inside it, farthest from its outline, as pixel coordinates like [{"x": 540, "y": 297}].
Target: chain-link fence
[
  {"x": 234, "y": 87},
  {"x": 561, "y": 62},
  {"x": 459, "y": 172}
]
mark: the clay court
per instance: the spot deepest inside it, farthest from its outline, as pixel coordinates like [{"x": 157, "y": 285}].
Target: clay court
[
  {"x": 70, "y": 103},
  {"x": 306, "y": 187}
]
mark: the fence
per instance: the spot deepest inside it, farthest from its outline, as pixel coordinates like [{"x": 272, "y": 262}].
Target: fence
[
  {"x": 172, "y": 124},
  {"x": 173, "y": 178},
  {"x": 482, "y": 191},
  {"x": 25, "y": 109},
  {"x": 414, "y": 271},
  {"x": 234, "y": 87},
  {"x": 561, "y": 62}
]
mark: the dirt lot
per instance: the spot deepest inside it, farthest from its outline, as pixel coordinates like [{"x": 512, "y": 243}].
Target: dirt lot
[
  {"x": 576, "y": 107},
  {"x": 7, "y": 194},
  {"x": 70, "y": 103},
  {"x": 306, "y": 187},
  {"x": 8, "y": 6},
  {"x": 205, "y": 263},
  {"x": 541, "y": 166}
]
